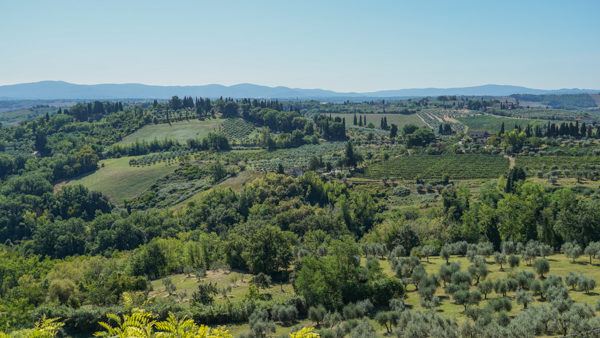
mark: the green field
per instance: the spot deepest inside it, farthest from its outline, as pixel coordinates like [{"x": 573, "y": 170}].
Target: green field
[
  {"x": 118, "y": 180},
  {"x": 493, "y": 123},
  {"x": 436, "y": 166},
  {"x": 179, "y": 131},
  {"x": 397, "y": 119}
]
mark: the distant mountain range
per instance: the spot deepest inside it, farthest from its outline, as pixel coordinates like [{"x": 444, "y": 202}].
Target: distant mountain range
[{"x": 47, "y": 90}]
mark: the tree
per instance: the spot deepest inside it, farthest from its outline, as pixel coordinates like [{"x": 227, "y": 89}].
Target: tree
[
  {"x": 228, "y": 109},
  {"x": 466, "y": 297},
  {"x": 261, "y": 280},
  {"x": 41, "y": 142},
  {"x": 446, "y": 272},
  {"x": 445, "y": 253},
  {"x": 317, "y": 313},
  {"x": 169, "y": 286},
  {"x": 572, "y": 279},
  {"x": 586, "y": 284},
  {"x": 286, "y": 314},
  {"x": 485, "y": 287},
  {"x": 427, "y": 251},
  {"x": 478, "y": 269},
  {"x": 388, "y": 319},
  {"x": 524, "y": 297},
  {"x": 542, "y": 266},
  {"x": 572, "y": 250},
  {"x": 351, "y": 159},
  {"x": 592, "y": 250},
  {"x": 260, "y": 324},
  {"x": 500, "y": 259},
  {"x": 268, "y": 250},
  {"x": 332, "y": 279},
  {"x": 420, "y": 138},
  {"x": 409, "y": 129},
  {"x": 501, "y": 287},
  {"x": 205, "y": 293},
  {"x": 513, "y": 261},
  {"x": 393, "y": 131}
]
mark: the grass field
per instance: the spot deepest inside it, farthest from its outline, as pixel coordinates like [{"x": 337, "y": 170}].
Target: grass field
[
  {"x": 397, "y": 119},
  {"x": 493, "y": 123},
  {"x": 118, "y": 180},
  {"x": 179, "y": 131},
  {"x": 435, "y": 166}
]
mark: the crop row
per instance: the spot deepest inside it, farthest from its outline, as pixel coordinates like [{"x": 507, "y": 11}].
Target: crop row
[
  {"x": 465, "y": 166},
  {"x": 237, "y": 128}
]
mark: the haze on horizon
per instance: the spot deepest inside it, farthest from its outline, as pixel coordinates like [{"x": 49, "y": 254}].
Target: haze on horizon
[{"x": 337, "y": 45}]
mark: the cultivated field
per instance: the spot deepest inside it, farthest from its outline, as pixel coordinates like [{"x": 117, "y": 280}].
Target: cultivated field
[
  {"x": 118, "y": 180},
  {"x": 436, "y": 166},
  {"x": 179, "y": 131}
]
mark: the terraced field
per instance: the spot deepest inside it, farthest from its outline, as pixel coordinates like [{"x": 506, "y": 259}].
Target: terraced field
[
  {"x": 180, "y": 131},
  {"x": 436, "y": 166}
]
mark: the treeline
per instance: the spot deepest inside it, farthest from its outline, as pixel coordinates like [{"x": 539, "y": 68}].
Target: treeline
[
  {"x": 226, "y": 106},
  {"x": 563, "y": 129},
  {"x": 92, "y": 111},
  {"x": 212, "y": 142}
]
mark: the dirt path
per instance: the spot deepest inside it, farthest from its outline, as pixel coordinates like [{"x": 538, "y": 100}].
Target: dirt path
[
  {"x": 511, "y": 161},
  {"x": 422, "y": 119}
]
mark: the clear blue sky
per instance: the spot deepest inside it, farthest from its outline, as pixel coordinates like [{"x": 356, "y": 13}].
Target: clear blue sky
[{"x": 339, "y": 45}]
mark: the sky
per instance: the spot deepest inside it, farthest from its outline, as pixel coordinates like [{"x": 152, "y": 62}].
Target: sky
[{"x": 338, "y": 45}]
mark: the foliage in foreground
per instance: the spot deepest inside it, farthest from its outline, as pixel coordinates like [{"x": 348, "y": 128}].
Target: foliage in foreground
[{"x": 142, "y": 324}]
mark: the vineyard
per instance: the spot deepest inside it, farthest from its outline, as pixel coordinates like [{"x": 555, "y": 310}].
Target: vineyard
[
  {"x": 237, "y": 129},
  {"x": 436, "y": 166},
  {"x": 561, "y": 166}
]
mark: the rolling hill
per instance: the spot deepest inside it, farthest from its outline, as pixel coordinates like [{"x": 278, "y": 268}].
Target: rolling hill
[{"x": 46, "y": 90}]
